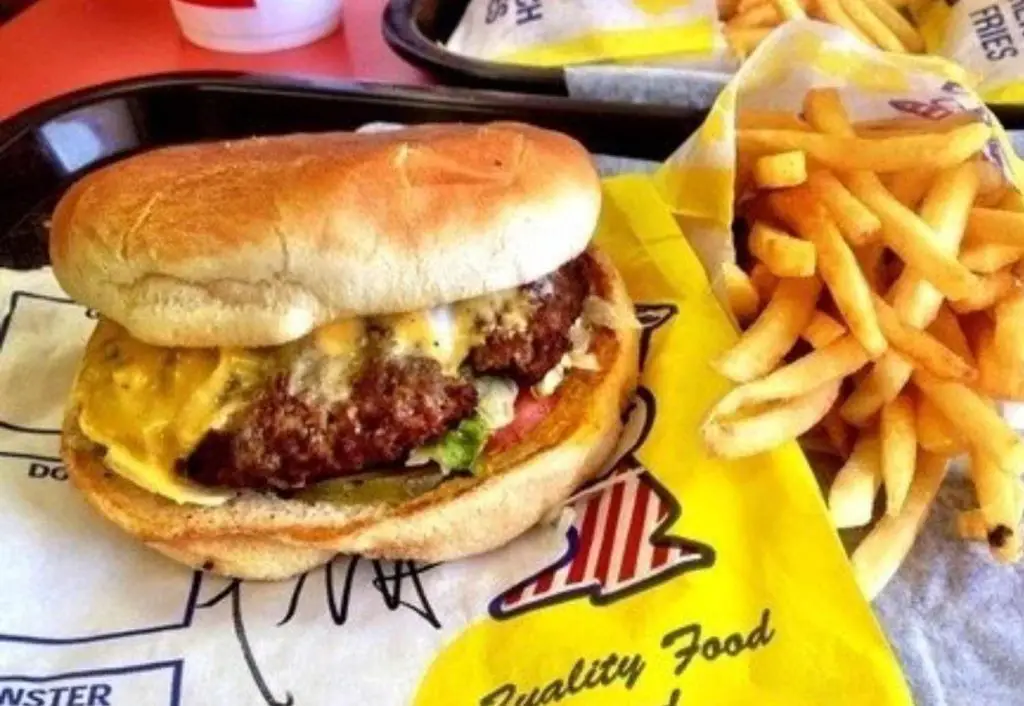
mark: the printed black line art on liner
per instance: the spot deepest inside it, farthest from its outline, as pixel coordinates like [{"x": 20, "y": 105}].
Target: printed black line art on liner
[
  {"x": 96, "y": 694},
  {"x": 185, "y": 622},
  {"x": 31, "y": 457},
  {"x": 618, "y": 542},
  {"x": 397, "y": 582},
  {"x": 17, "y": 297}
]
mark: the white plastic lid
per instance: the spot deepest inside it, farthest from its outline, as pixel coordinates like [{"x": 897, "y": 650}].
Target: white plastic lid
[{"x": 254, "y": 26}]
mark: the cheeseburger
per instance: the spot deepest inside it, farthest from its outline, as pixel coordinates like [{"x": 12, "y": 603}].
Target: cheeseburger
[{"x": 399, "y": 345}]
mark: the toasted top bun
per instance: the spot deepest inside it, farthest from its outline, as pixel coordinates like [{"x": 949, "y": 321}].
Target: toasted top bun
[
  {"x": 260, "y": 536},
  {"x": 257, "y": 242}
]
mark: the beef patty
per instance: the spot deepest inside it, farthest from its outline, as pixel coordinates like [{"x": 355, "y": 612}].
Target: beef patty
[
  {"x": 526, "y": 355},
  {"x": 285, "y": 442}
]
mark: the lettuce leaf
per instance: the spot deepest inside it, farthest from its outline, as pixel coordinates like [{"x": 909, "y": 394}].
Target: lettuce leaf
[{"x": 458, "y": 448}]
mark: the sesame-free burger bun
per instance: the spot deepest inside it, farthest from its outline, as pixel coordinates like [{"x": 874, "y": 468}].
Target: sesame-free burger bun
[
  {"x": 257, "y": 242},
  {"x": 261, "y": 536}
]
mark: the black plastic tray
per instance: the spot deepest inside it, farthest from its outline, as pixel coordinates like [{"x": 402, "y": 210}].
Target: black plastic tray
[
  {"x": 418, "y": 30},
  {"x": 45, "y": 148}
]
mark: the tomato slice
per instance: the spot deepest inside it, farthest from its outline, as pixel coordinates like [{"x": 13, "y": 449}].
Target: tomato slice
[{"x": 529, "y": 412}]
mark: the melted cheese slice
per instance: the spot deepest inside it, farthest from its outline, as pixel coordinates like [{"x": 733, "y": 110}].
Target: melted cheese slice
[
  {"x": 150, "y": 406},
  {"x": 447, "y": 333},
  {"x": 440, "y": 333}
]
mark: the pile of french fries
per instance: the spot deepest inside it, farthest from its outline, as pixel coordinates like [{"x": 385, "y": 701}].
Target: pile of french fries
[
  {"x": 882, "y": 313},
  {"x": 880, "y": 23}
]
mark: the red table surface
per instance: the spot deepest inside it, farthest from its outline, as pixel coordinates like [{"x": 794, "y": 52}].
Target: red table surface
[{"x": 58, "y": 46}]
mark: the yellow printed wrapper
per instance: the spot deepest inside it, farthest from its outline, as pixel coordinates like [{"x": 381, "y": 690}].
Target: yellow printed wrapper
[
  {"x": 567, "y": 32},
  {"x": 983, "y": 36},
  {"x": 698, "y": 180},
  {"x": 683, "y": 579}
]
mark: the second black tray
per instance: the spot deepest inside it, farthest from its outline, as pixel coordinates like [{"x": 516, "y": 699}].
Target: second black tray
[{"x": 419, "y": 29}]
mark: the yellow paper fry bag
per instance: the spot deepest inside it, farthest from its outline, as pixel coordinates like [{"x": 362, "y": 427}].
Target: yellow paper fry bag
[
  {"x": 983, "y": 36},
  {"x": 684, "y": 579},
  {"x": 568, "y": 32},
  {"x": 698, "y": 181}
]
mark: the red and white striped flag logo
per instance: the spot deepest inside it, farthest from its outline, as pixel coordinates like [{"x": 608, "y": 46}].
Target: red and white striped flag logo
[{"x": 617, "y": 540}]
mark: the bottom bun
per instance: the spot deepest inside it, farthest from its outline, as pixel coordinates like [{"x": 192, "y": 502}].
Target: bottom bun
[{"x": 259, "y": 536}]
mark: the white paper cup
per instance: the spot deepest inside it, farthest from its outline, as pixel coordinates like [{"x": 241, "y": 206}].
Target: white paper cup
[{"x": 254, "y": 26}]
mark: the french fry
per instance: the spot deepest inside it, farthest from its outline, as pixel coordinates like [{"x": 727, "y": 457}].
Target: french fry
[
  {"x": 744, "y": 301},
  {"x": 747, "y": 436},
  {"x": 782, "y": 254},
  {"x": 770, "y": 119},
  {"x": 899, "y": 451},
  {"x": 921, "y": 347},
  {"x": 744, "y": 40},
  {"x": 738, "y": 6},
  {"x": 879, "y": 33},
  {"x": 1013, "y": 200},
  {"x": 869, "y": 257},
  {"x": 910, "y": 185},
  {"x": 745, "y": 5},
  {"x": 851, "y": 498},
  {"x": 991, "y": 182},
  {"x": 823, "y": 109},
  {"x": 831, "y": 363},
  {"x": 976, "y": 419},
  {"x": 912, "y": 124},
  {"x": 836, "y": 263},
  {"x": 1009, "y": 331},
  {"x": 991, "y": 378},
  {"x": 935, "y": 433},
  {"x": 970, "y": 525},
  {"x": 773, "y": 334},
  {"x": 757, "y": 16},
  {"x": 877, "y": 558},
  {"x": 993, "y": 198},
  {"x": 915, "y": 299},
  {"x": 777, "y": 171},
  {"x": 907, "y": 34},
  {"x": 822, "y": 330},
  {"x": 1000, "y": 350},
  {"x": 946, "y": 328},
  {"x": 998, "y": 500},
  {"x": 945, "y": 210},
  {"x": 912, "y": 238},
  {"x": 882, "y": 155},
  {"x": 790, "y": 10},
  {"x": 726, "y": 8},
  {"x": 763, "y": 280},
  {"x": 991, "y": 288},
  {"x": 990, "y": 225},
  {"x": 832, "y": 11},
  {"x": 986, "y": 258},
  {"x": 857, "y": 224}
]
